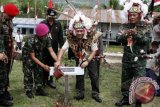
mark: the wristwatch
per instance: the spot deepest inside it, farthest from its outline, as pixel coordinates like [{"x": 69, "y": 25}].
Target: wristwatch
[{"x": 88, "y": 60}]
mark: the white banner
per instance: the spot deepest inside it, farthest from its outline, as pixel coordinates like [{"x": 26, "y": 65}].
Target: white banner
[{"x": 69, "y": 70}]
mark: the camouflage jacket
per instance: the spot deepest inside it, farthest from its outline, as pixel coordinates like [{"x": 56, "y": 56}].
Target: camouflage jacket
[
  {"x": 35, "y": 45},
  {"x": 6, "y": 29},
  {"x": 133, "y": 53}
]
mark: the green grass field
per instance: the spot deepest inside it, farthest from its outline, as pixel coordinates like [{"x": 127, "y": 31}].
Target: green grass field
[
  {"x": 106, "y": 86},
  {"x": 109, "y": 88},
  {"x": 112, "y": 48}
]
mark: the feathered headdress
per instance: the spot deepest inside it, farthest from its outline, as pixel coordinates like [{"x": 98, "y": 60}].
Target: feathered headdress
[
  {"x": 136, "y": 6},
  {"x": 80, "y": 21}
]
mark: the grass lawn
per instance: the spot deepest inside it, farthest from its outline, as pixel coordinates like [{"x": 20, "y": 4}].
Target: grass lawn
[
  {"x": 113, "y": 48},
  {"x": 109, "y": 87}
]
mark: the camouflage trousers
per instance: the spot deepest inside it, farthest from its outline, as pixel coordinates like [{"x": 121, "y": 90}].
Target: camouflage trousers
[
  {"x": 33, "y": 76},
  {"x": 129, "y": 74},
  {"x": 3, "y": 77},
  {"x": 8, "y": 70}
]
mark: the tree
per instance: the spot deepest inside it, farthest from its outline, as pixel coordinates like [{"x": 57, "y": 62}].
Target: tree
[
  {"x": 157, "y": 9},
  {"x": 114, "y": 4},
  {"x": 103, "y": 6},
  {"x": 7, "y": 1},
  {"x": 40, "y": 8}
]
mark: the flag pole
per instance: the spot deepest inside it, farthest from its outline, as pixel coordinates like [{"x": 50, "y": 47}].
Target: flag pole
[
  {"x": 28, "y": 8},
  {"x": 35, "y": 14},
  {"x": 110, "y": 26}
]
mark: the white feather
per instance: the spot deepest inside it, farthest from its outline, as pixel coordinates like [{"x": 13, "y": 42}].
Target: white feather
[
  {"x": 122, "y": 2},
  {"x": 145, "y": 9},
  {"x": 143, "y": 6},
  {"x": 137, "y": 1},
  {"x": 127, "y": 6},
  {"x": 71, "y": 24},
  {"x": 94, "y": 11},
  {"x": 87, "y": 22}
]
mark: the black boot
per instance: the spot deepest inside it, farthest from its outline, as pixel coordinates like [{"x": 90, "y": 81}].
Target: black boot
[
  {"x": 40, "y": 92},
  {"x": 79, "y": 96},
  {"x": 96, "y": 98},
  {"x": 138, "y": 104},
  {"x": 51, "y": 83},
  {"x": 7, "y": 95},
  {"x": 124, "y": 101},
  {"x": 29, "y": 94},
  {"x": 5, "y": 102}
]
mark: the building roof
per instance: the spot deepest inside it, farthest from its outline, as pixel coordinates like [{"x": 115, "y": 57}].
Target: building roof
[
  {"x": 26, "y": 21},
  {"x": 25, "y": 26},
  {"x": 104, "y": 15}
]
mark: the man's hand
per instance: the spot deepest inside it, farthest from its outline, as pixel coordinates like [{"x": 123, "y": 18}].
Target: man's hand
[
  {"x": 102, "y": 60},
  {"x": 132, "y": 32},
  {"x": 57, "y": 64},
  {"x": 14, "y": 53},
  {"x": 46, "y": 68},
  {"x": 3, "y": 57},
  {"x": 84, "y": 64}
]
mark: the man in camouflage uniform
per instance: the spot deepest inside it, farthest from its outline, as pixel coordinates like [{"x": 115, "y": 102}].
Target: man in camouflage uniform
[
  {"x": 32, "y": 60},
  {"x": 83, "y": 42},
  {"x": 6, "y": 47},
  {"x": 135, "y": 38}
]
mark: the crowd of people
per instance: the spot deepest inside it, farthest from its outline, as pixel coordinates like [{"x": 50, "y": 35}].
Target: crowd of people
[{"x": 41, "y": 51}]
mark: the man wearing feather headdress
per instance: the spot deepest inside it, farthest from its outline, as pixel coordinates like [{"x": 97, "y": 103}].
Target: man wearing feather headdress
[
  {"x": 82, "y": 39},
  {"x": 134, "y": 36}
]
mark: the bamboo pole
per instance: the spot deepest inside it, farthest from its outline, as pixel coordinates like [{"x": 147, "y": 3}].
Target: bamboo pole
[
  {"x": 110, "y": 27},
  {"x": 35, "y": 12},
  {"x": 66, "y": 91}
]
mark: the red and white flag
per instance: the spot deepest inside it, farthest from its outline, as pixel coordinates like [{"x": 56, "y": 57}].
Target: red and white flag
[
  {"x": 156, "y": 2},
  {"x": 28, "y": 7},
  {"x": 50, "y": 4},
  {"x": 94, "y": 11},
  {"x": 35, "y": 17},
  {"x": 1, "y": 8},
  {"x": 109, "y": 9}
]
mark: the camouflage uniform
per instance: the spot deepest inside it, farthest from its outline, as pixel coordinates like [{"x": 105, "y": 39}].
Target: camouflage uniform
[
  {"x": 3, "y": 74},
  {"x": 6, "y": 28},
  {"x": 33, "y": 45},
  {"x": 133, "y": 62}
]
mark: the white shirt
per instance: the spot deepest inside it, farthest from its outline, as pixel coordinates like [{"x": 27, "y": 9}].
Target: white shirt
[
  {"x": 18, "y": 38},
  {"x": 151, "y": 62},
  {"x": 155, "y": 35},
  {"x": 94, "y": 46}
]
